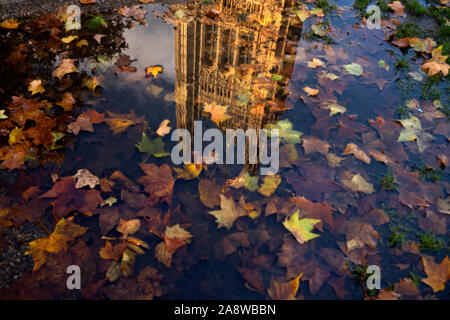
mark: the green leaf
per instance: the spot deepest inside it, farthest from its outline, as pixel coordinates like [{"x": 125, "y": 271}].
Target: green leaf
[
  {"x": 95, "y": 23},
  {"x": 286, "y": 132},
  {"x": 250, "y": 183},
  {"x": 152, "y": 148},
  {"x": 354, "y": 69},
  {"x": 277, "y": 77}
]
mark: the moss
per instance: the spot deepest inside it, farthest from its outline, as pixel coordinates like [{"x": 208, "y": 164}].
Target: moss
[
  {"x": 388, "y": 182},
  {"x": 408, "y": 29},
  {"x": 361, "y": 5},
  {"x": 414, "y": 7},
  {"x": 402, "y": 64},
  {"x": 428, "y": 173},
  {"x": 397, "y": 238},
  {"x": 402, "y": 111},
  {"x": 383, "y": 4},
  {"x": 325, "y": 5},
  {"x": 430, "y": 89},
  {"x": 428, "y": 242}
]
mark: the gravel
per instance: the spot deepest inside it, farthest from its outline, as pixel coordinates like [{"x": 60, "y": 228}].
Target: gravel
[{"x": 29, "y": 8}]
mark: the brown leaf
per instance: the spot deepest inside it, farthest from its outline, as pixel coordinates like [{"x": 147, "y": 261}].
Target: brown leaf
[
  {"x": 209, "y": 193},
  {"x": 437, "y": 273},
  {"x": 283, "y": 290},
  {"x": 83, "y": 122},
  {"x": 158, "y": 182}
]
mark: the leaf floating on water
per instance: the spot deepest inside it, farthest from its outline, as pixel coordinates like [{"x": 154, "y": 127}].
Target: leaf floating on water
[
  {"x": 270, "y": 184},
  {"x": 118, "y": 125},
  {"x": 228, "y": 213},
  {"x": 354, "y": 69},
  {"x": 153, "y": 147},
  {"x": 84, "y": 177},
  {"x": 437, "y": 63},
  {"x": 413, "y": 132},
  {"x": 189, "y": 171},
  {"x": 285, "y": 131},
  {"x": 218, "y": 112},
  {"x": 35, "y": 86},
  {"x": 284, "y": 290},
  {"x": 10, "y": 24},
  {"x": 310, "y": 91},
  {"x": 65, "y": 231},
  {"x": 153, "y": 70},
  {"x": 66, "y": 66},
  {"x": 301, "y": 228},
  {"x": 356, "y": 183},
  {"x": 163, "y": 128},
  {"x": 437, "y": 273}
]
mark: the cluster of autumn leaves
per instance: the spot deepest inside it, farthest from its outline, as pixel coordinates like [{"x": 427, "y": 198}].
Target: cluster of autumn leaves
[{"x": 333, "y": 193}]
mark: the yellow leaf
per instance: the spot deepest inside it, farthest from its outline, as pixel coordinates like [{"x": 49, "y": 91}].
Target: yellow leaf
[
  {"x": 284, "y": 290},
  {"x": 10, "y": 24},
  {"x": 35, "y": 86},
  {"x": 357, "y": 183},
  {"x": 301, "y": 228},
  {"x": 270, "y": 184},
  {"x": 65, "y": 231},
  {"x": 118, "y": 125},
  {"x": 69, "y": 39},
  {"x": 228, "y": 213},
  {"x": 437, "y": 273},
  {"x": 189, "y": 171},
  {"x": 218, "y": 112},
  {"x": 310, "y": 91},
  {"x": 437, "y": 63},
  {"x": 82, "y": 43},
  {"x": 314, "y": 63},
  {"x": 153, "y": 70}
]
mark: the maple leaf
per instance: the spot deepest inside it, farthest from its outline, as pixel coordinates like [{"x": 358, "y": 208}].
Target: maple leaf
[
  {"x": 209, "y": 193},
  {"x": 269, "y": 185},
  {"x": 437, "y": 63},
  {"x": 174, "y": 238},
  {"x": 134, "y": 12},
  {"x": 153, "y": 70},
  {"x": 90, "y": 82},
  {"x": 84, "y": 177},
  {"x": 158, "y": 182},
  {"x": 10, "y": 24},
  {"x": 189, "y": 171},
  {"x": 301, "y": 228},
  {"x": 110, "y": 252},
  {"x": 154, "y": 147},
  {"x": 163, "y": 128},
  {"x": 35, "y": 86},
  {"x": 413, "y": 132},
  {"x": 284, "y": 290},
  {"x": 398, "y": 7},
  {"x": 437, "y": 273},
  {"x": 218, "y": 112},
  {"x": 228, "y": 213},
  {"x": 83, "y": 122},
  {"x": 67, "y": 101},
  {"x": 66, "y": 66},
  {"x": 359, "y": 234},
  {"x": 65, "y": 231}
]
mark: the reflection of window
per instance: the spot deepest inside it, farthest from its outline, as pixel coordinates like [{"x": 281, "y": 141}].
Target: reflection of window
[
  {"x": 226, "y": 48},
  {"x": 210, "y": 48},
  {"x": 245, "y": 48}
]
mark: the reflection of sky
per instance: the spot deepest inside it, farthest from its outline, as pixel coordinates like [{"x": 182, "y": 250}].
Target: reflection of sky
[{"x": 153, "y": 44}]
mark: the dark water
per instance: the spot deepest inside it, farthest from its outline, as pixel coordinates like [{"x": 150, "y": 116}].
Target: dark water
[{"x": 199, "y": 51}]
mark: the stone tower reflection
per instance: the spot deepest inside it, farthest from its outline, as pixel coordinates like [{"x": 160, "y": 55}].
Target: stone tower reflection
[{"x": 230, "y": 59}]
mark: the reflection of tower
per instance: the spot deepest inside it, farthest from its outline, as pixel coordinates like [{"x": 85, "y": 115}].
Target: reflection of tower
[{"x": 231, "y": 59}]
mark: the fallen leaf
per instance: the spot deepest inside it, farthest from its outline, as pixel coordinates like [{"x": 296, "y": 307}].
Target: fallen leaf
[
  {"x": 398, "y": 7},
  {"x": 283, "y": 290},
  {"x": 228, "y": 213},
  {"x": 354, "y": 69},
  {"x": 66, "y": 66},
  {"x": 352, "y": 148},
  {"x": 158, "y": 182},
  {"x": 35, "y": 86},
  {"x": 189, "y": 171},
  {"x": 437, "y": 273},
  {"x": 84, "y": 177},
  {"x": 83, "y": 122},
  {"x": 301, "y": 228},
  {"x": 437, "y": 63},
  {"x": 218, "y": 112},
  {"x": 310, "y": 91},
  {"x": 314, "y": 144},
  {"x": 163, "y": 128},
  {"x": 128, "y": 227},
  {"x": 269, "y": 185},
  {"x": 119, "y": 125},
  {"x": 10, "y": 24},
  {"x": 356, "y": 183},
  {"x": 65, "y": 232},
  {"x": 153, "y": 70},
  {"x": 209, "y": 193}
]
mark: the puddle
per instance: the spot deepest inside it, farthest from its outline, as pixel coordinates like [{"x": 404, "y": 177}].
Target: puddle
[{"x": 375, "y": 199}]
